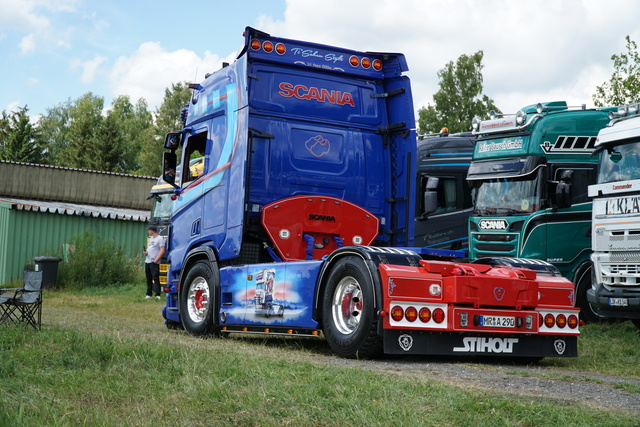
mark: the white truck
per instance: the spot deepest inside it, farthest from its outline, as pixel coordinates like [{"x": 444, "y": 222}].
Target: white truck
[{"x": 615, "y": 237}]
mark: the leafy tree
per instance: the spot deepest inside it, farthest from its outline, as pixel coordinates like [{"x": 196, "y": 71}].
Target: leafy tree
[
  {"x": 133, "y": 123},
  {"x": 79, "y": 135},
  {"x": 167, "y": 119},
  {"x": 84, "y": 135},
  {"x": 459, "y": 98},
  {"x": 54, "y": 126},
  {"x": 624, "y": 86},
  {"x": 20, "y": 140}
]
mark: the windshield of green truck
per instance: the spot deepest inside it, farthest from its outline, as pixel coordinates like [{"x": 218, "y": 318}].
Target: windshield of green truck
[
  {"x": 161, "y": 206},
  {"x": 509, "y": 195},
  {"x": 620, "y": 163}
]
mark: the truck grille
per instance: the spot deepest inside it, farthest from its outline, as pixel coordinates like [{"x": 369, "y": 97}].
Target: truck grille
[
  {"x": 627, "y": 274},
  {"x": 494, "y": 248},
  {"x": 624, "y": 256},
  {"x": 624, "y": 268}
]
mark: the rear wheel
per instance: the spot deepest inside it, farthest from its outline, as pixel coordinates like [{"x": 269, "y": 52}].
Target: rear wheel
[
  {"x": 198, "y": 299},
  {"x": 348, "y": 311},
  {"x": 582, "y": 282}
]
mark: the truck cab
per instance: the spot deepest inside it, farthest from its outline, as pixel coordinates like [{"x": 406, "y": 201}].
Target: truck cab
[
  {"x": 615, "y": 292},
  {"x": 443, "y": 202},
  {"x": 530, "y": 173}
]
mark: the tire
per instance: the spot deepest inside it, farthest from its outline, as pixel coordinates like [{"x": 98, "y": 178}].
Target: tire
[
  {"x": 349, "y": 321},
  {"x": 636, "y": 322},
  {"x": 198, "y": 299},
  {"x": 582, "y": 282}
]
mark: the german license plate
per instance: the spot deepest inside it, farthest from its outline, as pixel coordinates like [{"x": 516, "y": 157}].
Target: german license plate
[
  {"x": 619, "y": 302},
  {"x": 498, "y": 321}
]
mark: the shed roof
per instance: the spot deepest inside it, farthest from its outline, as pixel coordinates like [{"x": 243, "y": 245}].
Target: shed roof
[{"x": 64, "y": 208}]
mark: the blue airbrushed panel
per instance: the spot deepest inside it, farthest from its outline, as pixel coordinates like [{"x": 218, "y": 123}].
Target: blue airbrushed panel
[{"x": 277, "y": 295}]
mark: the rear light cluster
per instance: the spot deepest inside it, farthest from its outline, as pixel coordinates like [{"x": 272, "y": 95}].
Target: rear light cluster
[
  {"x": 559, "y": 320},
  {"x": 268, "y": 46},
  {"x": 365, "y": 63},
  {"x": 280, "y": 48},
  {"x": 411, "y": 314}
]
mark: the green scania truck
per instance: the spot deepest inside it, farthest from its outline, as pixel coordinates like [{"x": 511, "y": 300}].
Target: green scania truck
[{"x": 530, "y": 173}]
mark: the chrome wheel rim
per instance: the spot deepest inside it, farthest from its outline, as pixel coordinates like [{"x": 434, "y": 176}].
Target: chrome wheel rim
[
  {"x": 346, "y": 306},
  {"x": 198, "y": 299}
]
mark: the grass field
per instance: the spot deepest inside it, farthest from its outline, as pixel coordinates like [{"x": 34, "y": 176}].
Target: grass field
[{"x": 104, "y": 357}]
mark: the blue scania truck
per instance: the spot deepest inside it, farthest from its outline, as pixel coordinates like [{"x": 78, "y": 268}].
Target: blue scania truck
[{"x": 300, "y": 221}]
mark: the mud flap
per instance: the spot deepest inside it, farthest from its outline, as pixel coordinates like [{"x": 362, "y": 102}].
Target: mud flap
[{"x": 447, "y": 343}]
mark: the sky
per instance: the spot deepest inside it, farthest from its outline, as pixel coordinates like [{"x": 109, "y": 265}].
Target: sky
[{"x": 53, "y": 51}]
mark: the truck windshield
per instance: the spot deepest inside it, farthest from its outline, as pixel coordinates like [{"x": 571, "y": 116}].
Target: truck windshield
[
  {"x": 161, "y": 206},
  {"x": 620, "y": 163},
  {"x": 509, "y": 195}
]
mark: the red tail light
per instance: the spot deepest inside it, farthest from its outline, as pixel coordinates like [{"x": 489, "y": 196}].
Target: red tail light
[
  {"x": 424, "y": 314},
  {"x": 549, "y": 320},
  {"x": 540, "y": 320},
  {"x": 438, "y": 315},
  {"x": 280, "y": 48},
  {"x": 366, "y": 63},
  {"x": 411, "y": 314},
  {"x": 377, "y": 64},
  {"x": 573, "y": 321},
  {"x": 561, "y": 321},
  {"x": 255, "y": 44},
  {"x": 267, "y": 46},
  {"x": 354, "y": 61},
  {"x": 397, "y": 313}
]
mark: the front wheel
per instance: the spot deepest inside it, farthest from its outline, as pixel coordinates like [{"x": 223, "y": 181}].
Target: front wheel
[
  {"x": 582, "y": 282},
  {"x": 348, "y": 311},
  {"x": 198, "y": 299}
]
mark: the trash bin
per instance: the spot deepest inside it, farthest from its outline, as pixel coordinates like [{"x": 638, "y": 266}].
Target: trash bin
[{"x": 48, "y": 265}]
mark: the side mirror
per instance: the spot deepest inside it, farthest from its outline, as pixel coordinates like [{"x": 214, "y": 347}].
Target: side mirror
[
  {"x": 563, "y": 190},
  {"x": 173, "y": 140},
  {"x": 430, "y": 196},
  {"x": 169, "y": 162}
]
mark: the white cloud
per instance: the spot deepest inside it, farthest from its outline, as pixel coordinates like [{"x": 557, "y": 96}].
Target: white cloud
[
  {"x": 151, "y": 69},
  {"x": 28, "y": 43},
  {"x": 20, "y": 15},
  {"x": 30, "y": 16},
  {"x": 89, "y": 68},
  {"x": 533, "y": 52}
]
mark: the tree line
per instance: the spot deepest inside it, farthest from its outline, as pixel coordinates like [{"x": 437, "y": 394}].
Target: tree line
[
  {"x": 127, "y": 138},
  {"x": 81, "y": 133}
]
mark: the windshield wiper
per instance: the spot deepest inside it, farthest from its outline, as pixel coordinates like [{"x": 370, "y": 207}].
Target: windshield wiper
[{"x": 509, "y": 211}]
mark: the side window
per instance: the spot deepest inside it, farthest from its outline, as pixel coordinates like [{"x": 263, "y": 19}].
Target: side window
[
  {"x": 194, "y": 164},
  {"x": 582, "y": 178},
  {"x": 446, "y": 193}
]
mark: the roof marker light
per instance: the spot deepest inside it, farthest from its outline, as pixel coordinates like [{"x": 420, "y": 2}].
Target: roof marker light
[
  {"x": 377, "y": 64},
  {"x": 354, "y": 61},
  {"x": 255, "y": 44},
  {"x": 366, "y": 63},
  {"x": 267, "y": 46},
  {"x": 281, "y": 48}
]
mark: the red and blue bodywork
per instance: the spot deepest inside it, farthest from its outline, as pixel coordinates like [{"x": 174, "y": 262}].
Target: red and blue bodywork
[{"x": 302, "y": 219}]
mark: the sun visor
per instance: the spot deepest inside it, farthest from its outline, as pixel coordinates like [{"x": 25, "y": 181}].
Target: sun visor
[{"x": 504, "y": 168}]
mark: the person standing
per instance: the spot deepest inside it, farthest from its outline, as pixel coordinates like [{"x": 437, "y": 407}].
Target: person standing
[{"x": 154, "y": 253}]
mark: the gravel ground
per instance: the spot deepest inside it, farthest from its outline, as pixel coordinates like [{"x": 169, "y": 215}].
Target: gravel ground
[{"x": 535, "y": 382}]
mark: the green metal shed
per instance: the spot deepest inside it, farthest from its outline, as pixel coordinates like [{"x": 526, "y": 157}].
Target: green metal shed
[{"x": 32, "y": 228}]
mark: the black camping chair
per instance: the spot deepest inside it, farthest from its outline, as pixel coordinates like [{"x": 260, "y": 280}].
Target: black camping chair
[{"x": 23, "y": 305}]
